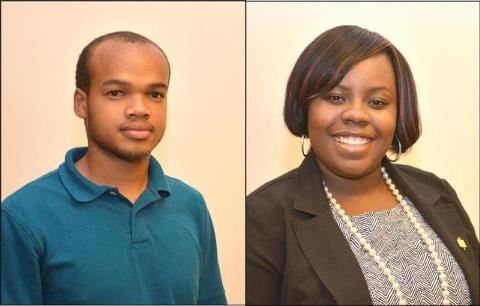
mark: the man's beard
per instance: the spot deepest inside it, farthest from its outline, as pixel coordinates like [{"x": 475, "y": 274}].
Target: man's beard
[{"x": 131, "y": 156}]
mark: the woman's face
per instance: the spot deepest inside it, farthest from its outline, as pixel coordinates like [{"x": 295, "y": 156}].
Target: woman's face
[{"x": 352, "y": 126}]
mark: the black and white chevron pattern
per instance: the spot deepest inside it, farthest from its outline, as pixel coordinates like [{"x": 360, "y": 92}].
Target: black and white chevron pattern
[{"x": 396, "y": 241}]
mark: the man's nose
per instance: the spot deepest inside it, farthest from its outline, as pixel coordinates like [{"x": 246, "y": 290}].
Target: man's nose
[{"x": 138, "y": 107}]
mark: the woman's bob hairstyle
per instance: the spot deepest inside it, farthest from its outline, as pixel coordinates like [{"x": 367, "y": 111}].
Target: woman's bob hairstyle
[{"x": 324, "y": 63}]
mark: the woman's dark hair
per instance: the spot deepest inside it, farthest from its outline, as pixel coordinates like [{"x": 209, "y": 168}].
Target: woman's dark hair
[
  {"x": 82, "y": 73},
  {"x": 324, "y": 63}
]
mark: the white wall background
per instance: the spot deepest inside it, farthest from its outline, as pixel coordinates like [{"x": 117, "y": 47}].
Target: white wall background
[
  {"x": 439, "y": 40},
  {"x": 204, "y": 140}
]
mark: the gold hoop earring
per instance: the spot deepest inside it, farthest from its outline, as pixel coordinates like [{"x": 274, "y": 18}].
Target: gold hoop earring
[{"x": 399, "y": 150}]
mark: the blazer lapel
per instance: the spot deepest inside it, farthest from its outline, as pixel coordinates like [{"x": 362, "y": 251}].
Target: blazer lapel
[
  {"x": 439, "y": 212},
  {"x": 322, "y": 241}
]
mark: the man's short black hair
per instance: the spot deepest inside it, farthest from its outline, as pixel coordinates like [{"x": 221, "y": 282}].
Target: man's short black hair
[{"x": 82, "y": 73}]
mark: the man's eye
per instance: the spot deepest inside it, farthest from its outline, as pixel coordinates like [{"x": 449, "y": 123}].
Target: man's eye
[
  {"x": 157, "y": 95},
  {"x": 115, "y": 93}
]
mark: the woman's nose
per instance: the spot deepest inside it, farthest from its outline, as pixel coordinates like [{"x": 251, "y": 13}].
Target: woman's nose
[{"x": 356, "y": 112}]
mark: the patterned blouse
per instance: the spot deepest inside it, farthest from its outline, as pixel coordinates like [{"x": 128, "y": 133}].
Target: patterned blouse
[{"x": 396, "y": 241}]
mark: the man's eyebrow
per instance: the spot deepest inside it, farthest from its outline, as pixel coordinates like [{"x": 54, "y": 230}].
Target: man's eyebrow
[
  {"x": 157, "y": 85},
  {"x": 116, "y": 82},
  {"x": 127, "y": 84}
]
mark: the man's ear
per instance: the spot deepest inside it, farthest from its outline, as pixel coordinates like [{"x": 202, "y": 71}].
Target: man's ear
[{"x": 80, "y": 103}]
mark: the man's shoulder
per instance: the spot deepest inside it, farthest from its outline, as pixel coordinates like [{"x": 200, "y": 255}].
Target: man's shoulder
[
  {"x": 182, "y": 192},
  {"x": 26, "y": 201},
  {"x": 34, "y": 190},
  {"x": 177, "y": 185}
]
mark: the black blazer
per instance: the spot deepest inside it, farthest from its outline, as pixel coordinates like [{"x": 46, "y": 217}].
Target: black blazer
[{"x": 296, "y": 253}]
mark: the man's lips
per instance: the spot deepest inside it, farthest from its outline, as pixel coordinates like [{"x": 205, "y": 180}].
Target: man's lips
[{"x": 137, "y": 131}]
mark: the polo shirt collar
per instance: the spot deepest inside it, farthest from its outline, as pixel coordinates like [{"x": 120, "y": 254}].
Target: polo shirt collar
[
  {"x": 156, "y": 178},
  {"x": 84, "y": 190}
]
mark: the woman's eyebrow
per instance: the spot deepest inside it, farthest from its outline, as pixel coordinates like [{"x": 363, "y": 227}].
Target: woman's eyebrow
[
  {"x": 343, "y": 88},
  {"x": 379, "y": 88},
  {"x": 369, "y": 90}
]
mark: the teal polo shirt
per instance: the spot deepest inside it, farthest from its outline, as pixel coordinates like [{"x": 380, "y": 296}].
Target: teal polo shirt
[{"x": 66, "y": 240}]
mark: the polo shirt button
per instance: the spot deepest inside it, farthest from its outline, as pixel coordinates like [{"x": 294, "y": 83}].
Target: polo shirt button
[{"x": 113, "y": 193}]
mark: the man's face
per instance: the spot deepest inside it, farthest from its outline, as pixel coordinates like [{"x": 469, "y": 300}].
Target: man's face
[{"x": 125, "y": 108}]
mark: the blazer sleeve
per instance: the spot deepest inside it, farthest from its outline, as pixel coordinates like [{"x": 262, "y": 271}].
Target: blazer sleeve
[
  {"x": 264, "y": 255},
  {"x": 463, "y": 214}
]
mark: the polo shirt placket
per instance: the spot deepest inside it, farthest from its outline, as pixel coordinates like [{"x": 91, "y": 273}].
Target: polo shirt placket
[{"x": 139, "y": 239}]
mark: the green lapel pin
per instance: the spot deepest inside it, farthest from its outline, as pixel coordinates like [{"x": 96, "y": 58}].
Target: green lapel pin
[{"x": 461, "y": 243}]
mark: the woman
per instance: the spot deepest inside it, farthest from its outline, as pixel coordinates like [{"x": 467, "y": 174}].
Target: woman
[{"x": 348, "y": 226}]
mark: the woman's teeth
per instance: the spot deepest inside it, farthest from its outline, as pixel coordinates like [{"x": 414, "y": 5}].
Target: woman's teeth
[{"x": 352, "y": 140}]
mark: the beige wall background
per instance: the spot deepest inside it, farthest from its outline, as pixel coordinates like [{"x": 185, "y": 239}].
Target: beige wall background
[
  {"x": 439, "y": 40},
  {"x": 204, "y": 140}
]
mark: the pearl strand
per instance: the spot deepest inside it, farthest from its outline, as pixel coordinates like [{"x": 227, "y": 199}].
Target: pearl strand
[{"x": 377, "y": 259}]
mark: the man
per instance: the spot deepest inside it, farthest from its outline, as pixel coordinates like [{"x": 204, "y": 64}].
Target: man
[{"x": 108, "y": 227}]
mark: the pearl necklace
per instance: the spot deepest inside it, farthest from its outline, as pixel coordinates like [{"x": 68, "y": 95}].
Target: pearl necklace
[{"x": 377, "y": 259}]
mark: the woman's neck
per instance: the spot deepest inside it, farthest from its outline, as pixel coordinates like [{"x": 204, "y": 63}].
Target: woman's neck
[{"x": 359, "y": 194}]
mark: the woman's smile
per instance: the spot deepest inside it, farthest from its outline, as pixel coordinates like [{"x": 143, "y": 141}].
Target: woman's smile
[{"x": 352, "y": 147}]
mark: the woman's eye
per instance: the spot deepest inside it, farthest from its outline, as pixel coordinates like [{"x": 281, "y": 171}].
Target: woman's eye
[
  {"x": 336, "y": 98},
  {"x": 377, "y": 103}
]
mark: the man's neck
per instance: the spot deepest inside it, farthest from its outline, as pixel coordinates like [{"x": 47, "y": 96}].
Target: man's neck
[{"x": 105, "y": 169}]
